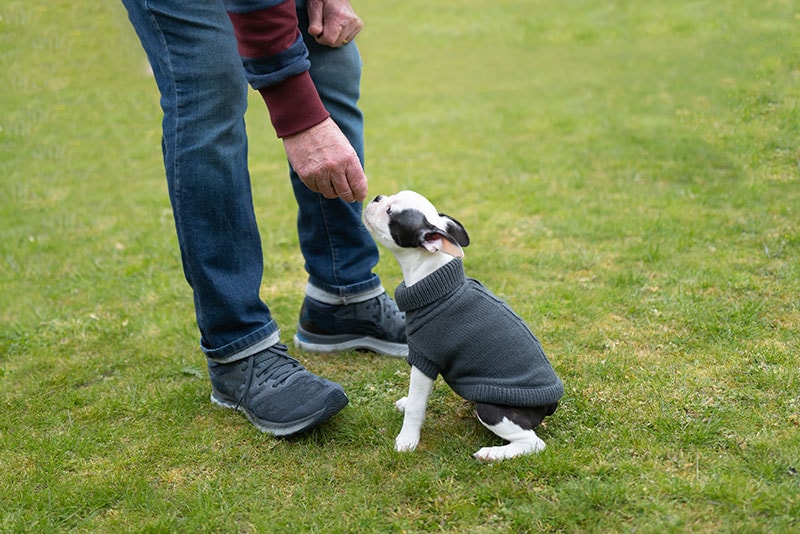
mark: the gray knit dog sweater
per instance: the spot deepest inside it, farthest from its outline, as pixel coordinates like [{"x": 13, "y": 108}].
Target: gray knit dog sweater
[{"x": 483, "y": 350}]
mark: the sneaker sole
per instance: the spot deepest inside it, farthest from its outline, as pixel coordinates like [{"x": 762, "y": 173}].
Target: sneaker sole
[
  {"x": 317, "y": 343},
  {"x": 336, "y": 402}
]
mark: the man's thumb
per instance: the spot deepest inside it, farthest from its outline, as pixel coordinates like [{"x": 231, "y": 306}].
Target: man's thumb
[{"x": 315, "y": 26}]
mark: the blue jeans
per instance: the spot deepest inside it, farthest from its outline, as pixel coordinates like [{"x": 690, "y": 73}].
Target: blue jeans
[
  {"x": 338, "y": 249},
  {"x": 192, "y": 50}
]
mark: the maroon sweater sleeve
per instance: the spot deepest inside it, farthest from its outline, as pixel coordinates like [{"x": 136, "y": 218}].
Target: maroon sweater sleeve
[
  {"x": 294, "y": 105},
  {"x": 276, "y": 63}
]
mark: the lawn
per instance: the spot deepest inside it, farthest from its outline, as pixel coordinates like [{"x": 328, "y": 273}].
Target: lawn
[{"x": 629, "y": 173}]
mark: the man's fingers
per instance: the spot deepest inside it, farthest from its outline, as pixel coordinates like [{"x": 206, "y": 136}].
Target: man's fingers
[
  {"x": 349, "y": 32},
  {"x": 342, "y": 188},
  {"x": 333, "y": 24},
  {"x": 330, "y": 36},
  {"x": 325, "y": 188},
  {"x": 351, "y": 184},
  {"x": 358, "y": 183}
]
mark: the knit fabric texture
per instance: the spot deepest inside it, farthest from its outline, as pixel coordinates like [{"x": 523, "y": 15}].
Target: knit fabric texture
[{"x": 483, "y": 350}]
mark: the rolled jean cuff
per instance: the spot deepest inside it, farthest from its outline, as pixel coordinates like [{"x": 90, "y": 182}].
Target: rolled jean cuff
[
  {"x": 348, "y": 295},
  {"x": 260, "y": 340}
]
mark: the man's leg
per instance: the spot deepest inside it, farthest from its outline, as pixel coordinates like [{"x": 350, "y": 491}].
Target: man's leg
[
  {"x": 193, "y": 54},
  {"x": 346, "y": 307}
]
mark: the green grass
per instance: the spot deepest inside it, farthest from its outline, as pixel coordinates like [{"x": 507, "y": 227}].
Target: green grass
[{"x": 628, "y": 172}]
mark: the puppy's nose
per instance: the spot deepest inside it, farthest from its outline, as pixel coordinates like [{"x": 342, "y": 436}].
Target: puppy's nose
[{"x": 378, "y": 198}]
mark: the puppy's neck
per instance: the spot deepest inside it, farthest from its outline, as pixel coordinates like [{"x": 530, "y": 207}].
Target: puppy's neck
[{"x": 416, "y": 265}]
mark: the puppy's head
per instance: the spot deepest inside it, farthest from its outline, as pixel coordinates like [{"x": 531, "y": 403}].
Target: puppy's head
[{"x": 408, "y": 220}]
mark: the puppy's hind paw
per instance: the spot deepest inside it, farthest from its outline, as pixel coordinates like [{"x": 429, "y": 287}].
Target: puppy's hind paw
[
  {"x": 401, "y": 404},
  {"x": 490, "y": 454}
]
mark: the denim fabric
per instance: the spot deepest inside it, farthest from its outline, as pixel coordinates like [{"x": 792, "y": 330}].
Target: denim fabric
[
  {"x": 339, "y": 252},
  {"x": 193, "y": 53}
]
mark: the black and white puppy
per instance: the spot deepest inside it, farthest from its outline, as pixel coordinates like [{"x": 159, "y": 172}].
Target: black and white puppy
[{"x": 459, "y": 329}]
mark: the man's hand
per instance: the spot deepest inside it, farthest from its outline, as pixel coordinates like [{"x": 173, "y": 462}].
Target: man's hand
[
  {"x": 333, "y": 22},
  {"x": 326, "y": 162}
]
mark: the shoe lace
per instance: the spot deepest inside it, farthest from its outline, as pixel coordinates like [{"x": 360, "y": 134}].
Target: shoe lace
[
  {"x": 275, "y": 364},
  {"x": 383, "y": 309},
  {"x": 388, "y": 310}
]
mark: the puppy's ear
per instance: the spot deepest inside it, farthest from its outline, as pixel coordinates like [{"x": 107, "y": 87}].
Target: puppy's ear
[
  {"x": 434, "y": 240},
  {"x": 456, "y": 230}
]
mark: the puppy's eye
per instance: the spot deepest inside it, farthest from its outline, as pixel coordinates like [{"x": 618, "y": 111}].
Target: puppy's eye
[{"x": 389, "y": 210}]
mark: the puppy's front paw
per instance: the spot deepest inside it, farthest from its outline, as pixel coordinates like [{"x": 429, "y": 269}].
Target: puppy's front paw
[
  {"x": 401, "y": 404},
  {"x": 405, "y": 442}
]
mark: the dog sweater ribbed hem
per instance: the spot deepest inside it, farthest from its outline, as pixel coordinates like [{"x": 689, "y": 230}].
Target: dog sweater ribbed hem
[{"x": 483, "y": 350}]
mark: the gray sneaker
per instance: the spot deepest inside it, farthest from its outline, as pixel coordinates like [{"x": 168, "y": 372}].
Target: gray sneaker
[
  {"x": 375, "y": 325},
  {"x": 275, "y": 392}
]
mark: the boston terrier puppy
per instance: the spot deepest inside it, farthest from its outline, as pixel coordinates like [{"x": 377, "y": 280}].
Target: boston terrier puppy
[{"x": 459, "y": 329}]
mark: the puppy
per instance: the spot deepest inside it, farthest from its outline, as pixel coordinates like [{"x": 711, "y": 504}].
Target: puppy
[{"x": 459, "y": 329}]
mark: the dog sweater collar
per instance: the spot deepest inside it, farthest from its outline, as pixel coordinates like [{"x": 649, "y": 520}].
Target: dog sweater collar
[{"x": 432, "y": 288}]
